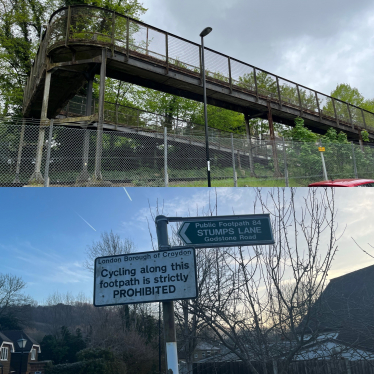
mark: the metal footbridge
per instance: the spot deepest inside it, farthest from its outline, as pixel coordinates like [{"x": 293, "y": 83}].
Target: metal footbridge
[{"x": 79, "y": 40}]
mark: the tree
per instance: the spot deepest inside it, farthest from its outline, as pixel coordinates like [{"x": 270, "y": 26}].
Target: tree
[
  {"x": 256, "y": 297},
  {"x": 110, "y": 245},
  {"x": 12, "y": 302},
  {"x": 63, "y": 347},
  {"x": 345, "y": 92},
  {"x": 91, "y": 361},
  {"x": 21, "y": 24}
]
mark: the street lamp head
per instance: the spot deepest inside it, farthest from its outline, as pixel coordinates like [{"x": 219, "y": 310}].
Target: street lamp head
[
  {"x": 22, "y": 343},
  {"x": 206, "y": 31}
]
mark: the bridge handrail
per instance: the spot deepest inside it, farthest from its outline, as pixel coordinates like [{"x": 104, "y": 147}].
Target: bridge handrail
[{"x": 348, "y": 113}]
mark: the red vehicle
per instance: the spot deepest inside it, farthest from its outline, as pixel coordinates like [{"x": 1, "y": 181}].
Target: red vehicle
[{"x": 344, "y": 183}]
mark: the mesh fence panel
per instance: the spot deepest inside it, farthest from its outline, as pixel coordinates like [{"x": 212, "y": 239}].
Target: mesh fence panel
[
  {"x": 242, "y": 75},
  {"x": 216, "y": 66},
  {"x": 134, "y": 155},
  {"x": 91, "y": 24},
  {"x": 58, "y": 28},
  {"x": 364, "y": 162},
  {"x": 357, "y": 116},
  {"x": 342, "y": 111},
  {"x": 288, "y": 92},
  {"x": 339, "y": 161},
  {"x": 308, "y": 100},
  {"x": 369, "y": 119},
  {"x": 326, "y": 106},
  {"x": 183, "y": 55}
]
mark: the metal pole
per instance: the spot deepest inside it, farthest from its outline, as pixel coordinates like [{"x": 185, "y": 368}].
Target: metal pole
[
  {"x": 166, "y": 177},
  {"x": 99, "y": 136},
  {"x": 167, "y": 306},
  {"x": 20, "y": 147},
  {"x": 46, "y": 171},
  {"x": 323, "y": 163},
  {"x": 159, "y": 338},
  {"x": 354, "y": 160},
  {"x": 233, "y": 160},
  {"x": 84, "y": 176},
  {"x": 250, "y": 154},
  {"x": 20, "y": 365},
  {"x": 285, "y": 164},
  {"x": 205, "y": 113},
  {"x": 37, "y": 177}
]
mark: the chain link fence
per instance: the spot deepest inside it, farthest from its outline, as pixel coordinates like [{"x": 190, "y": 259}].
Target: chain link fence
[{"x": 161, "y": 156}]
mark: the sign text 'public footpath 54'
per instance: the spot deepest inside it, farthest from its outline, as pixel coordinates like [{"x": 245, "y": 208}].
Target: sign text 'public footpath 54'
[
  {"x": 145, "y": 277},
  {"x": 220, "y": 231}
]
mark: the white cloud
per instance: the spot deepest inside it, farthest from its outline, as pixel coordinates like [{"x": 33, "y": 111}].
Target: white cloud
[{"x": 318, "y": 44}]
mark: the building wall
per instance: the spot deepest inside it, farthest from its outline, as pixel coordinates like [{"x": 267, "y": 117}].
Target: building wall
[
  {"x": 6, "y": 364},
  {"x": 202, "y": 354},
  {"x": 39, "y": 366},
  {"x": 30, "y": 362}
]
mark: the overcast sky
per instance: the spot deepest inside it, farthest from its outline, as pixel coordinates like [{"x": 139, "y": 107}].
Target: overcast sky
[
  {"x": 315, "y": 43},
  {"x": 44, "y": 233}
]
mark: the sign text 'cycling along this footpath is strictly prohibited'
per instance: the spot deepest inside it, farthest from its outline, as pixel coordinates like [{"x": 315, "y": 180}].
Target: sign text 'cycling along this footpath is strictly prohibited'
[{"x": 145, "y": 277}]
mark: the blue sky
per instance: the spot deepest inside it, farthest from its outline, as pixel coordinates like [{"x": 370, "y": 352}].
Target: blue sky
[{"x": 45, "y": 232}]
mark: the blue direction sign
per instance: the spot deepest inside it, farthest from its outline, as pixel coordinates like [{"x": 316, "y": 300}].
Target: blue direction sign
[{"x": 221, "y": 231}]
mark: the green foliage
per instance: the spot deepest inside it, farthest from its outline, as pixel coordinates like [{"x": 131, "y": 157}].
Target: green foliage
[
  {"x": 20, "y": 25},
  {"x": 62, "y": 348},
  {"x": 332, "y": 136},
  {"x": 10, "y": 322},
  {"x": 365, "y": 136},
  {"x": 91, "y": 361},
  {"x": 346, "y": 93},
  {"x": 350, "y": 95},
  {"x": 300, "y": 132}
]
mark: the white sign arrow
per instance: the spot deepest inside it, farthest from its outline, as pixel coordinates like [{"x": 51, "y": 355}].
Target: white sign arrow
[{"x": 182, "y": 233}]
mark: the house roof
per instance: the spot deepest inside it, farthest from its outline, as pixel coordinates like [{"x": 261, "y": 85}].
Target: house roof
[
  {"x": 14, "y": 335},
  {"x": 206, "y": 346},
  {"x": 5, "y": 339},
  {"x": 346, "y": 306}
]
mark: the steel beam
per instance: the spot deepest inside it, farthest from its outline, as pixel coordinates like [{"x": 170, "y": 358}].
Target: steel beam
[
  {"x": 37, "y": 178},
  {"x": 277, "y": 172},
  {"x": 84, "y": 176},
  {"x": 98, "y": 178},
  {"x": 249, "y": 138},
  {"x": 20, "y": 147}
]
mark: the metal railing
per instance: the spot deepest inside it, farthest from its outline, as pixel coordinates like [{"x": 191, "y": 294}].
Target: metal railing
[
  {"x": 104, "y": 28},
  {"x": 139, "y": 119}
]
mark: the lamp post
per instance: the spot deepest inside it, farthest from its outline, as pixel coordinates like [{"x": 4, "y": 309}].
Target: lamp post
[
  {"x": 203, "y": 33},
  {"x": 22, "y": 344}
]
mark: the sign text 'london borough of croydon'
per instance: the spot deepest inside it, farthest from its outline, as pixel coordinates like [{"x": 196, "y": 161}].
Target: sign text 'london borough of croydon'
[{"x": 145, "y": 277}]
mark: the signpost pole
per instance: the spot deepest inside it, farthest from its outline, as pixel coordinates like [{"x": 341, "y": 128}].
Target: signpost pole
[
  {"x": 323, "y": 163},
  {"x": 167, "y": 306}
]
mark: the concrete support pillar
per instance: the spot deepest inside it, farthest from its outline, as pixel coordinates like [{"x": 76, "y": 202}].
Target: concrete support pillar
[
  {"x": 277, "y": 172},
  {"x": 248, "y": 130},
  {"x": 20, "y": 147},
  {"x": 36, "y": 177},
  {"x": 84, "y": 177},
  {"x": 98, "y": 178},
  {"x": 360, "y": 140}
]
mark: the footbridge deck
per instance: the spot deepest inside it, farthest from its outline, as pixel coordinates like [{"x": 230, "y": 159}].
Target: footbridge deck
[{"x": 80, "y": 40}]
